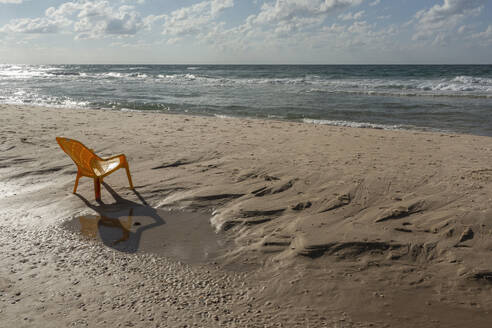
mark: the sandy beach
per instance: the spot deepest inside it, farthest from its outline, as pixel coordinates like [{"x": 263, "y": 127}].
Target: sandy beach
[{"x": 303, "y": 225}]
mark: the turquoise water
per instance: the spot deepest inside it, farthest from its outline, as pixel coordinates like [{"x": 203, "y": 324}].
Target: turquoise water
[{"x": 454, "y": 98}]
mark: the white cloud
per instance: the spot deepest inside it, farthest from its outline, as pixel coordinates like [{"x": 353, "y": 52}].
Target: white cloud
[
  {"x": 219, "y": 5},
  {"x": 136, "y": 44},
  {"x": 96, "y": 20},
  {"x": 352, "y": 16},
  {"x": 439, "y": 22},
  {"x": 87, "y": 19},
  {"x": 285, "y": 10},
  {"x": 11, "y": 1},
  {"x": 464, "y": 29},
  {"x": 362, "y": 35},
  {"x": 193, "y": 20},
  {"x": 375, "y": 3},
  {"x": 288, "y": 19},
  {"x": 27, "y": 25},
  {"x": 150, "y": 20},
  {"x": 298, "y": 27},
  {"x": 450, "y": 8},
  {"x": 485, "y": 36}
]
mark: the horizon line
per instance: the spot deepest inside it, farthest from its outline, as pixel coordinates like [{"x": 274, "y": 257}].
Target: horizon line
[{"x": 261, "y": 64}]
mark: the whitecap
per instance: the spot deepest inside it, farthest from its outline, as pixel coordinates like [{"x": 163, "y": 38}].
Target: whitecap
[
  {"x": 113, "y": 74},
  {"x": 353, "y": 124}
]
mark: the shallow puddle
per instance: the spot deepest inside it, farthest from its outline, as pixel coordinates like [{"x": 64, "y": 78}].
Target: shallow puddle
[{"x": 186, "y": 236}]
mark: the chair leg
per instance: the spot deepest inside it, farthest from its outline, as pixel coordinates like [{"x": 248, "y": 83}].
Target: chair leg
[
  {"x": 97, "y": 188},
  {"x": 76, "y": 182},
  {"x": 129, "y": 176}
]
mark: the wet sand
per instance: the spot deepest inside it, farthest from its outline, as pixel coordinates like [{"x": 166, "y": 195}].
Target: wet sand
[{"x": 321, "y": 226}]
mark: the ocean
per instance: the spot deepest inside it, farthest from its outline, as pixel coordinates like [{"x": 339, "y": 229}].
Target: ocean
[{"x": 446, "y": 98}]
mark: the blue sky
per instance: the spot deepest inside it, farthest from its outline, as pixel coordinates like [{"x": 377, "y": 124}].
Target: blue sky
[{"x": 246, "y": 31}]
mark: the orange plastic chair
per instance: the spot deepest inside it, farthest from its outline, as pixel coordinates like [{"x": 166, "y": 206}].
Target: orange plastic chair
[{"x": 92, "y": 166}]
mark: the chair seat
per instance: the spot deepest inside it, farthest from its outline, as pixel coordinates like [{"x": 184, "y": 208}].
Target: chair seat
[{"x": 103, "y": 167}]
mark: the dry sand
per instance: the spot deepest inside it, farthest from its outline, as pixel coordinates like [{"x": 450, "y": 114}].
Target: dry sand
[{"x": 319, "y": 226}]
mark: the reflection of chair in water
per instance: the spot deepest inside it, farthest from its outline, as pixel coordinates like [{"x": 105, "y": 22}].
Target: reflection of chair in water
[
  {"x": 119, "y": 224},
  {"x": 89, "y": 225},
  {"x": 108, "y": 229},
  {"x": 92, "y": 166}
]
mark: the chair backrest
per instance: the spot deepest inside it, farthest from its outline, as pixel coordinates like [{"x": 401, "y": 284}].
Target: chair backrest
[{"x": 83, "y": 157}]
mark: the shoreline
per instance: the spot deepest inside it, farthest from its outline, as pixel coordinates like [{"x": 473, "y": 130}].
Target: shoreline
[
  {"x": 303, "y": 120},
  {"x": 326, "y": 211}
]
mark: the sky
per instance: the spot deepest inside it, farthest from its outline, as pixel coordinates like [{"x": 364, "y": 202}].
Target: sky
[{"x": 246, "y": 31}]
